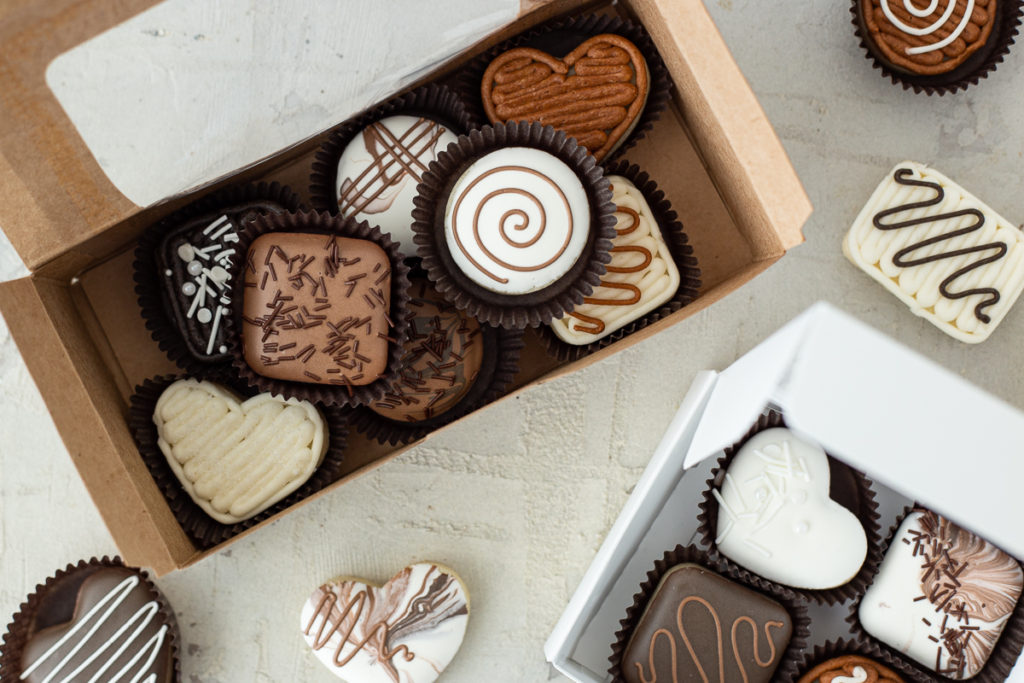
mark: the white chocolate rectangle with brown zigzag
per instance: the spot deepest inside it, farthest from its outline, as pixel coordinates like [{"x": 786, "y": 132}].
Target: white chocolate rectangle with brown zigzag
[{"x": 942, "y": 251}]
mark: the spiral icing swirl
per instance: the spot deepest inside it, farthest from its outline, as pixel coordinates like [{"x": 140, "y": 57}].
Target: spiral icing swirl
[
  {"x": 929, "y": 37},
  {"x": 514, "y": 228}
]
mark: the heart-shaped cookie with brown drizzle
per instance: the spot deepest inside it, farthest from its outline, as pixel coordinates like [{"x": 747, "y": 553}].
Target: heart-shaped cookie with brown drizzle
[
  {"x": 409, "y": 629},
  {"x": 596, "y": 93}
]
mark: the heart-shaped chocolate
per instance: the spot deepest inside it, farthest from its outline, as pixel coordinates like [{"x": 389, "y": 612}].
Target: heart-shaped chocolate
[
  {"x": 406, "y": 631},
  {"x": 775, "y": 516},
  {"x": 99, "y": 623},
  {"x": 596, "y": 93},
  {"x": 234, "y": 458}
]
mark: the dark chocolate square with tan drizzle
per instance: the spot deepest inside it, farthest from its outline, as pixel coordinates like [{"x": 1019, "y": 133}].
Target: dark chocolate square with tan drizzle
[
  {"x": 316, "y": 308},
  {"x": 699, "y": 626}
]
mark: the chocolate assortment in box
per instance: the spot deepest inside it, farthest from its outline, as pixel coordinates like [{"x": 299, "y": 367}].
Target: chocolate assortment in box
[
  {"x": 445, "y": 222},
  {"x": 776, "y": 535},
  {"x": 570, "y": 185}
]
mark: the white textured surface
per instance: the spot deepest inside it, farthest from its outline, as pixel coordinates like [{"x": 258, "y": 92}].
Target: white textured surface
[
  {"x": 221, "y": 68},
  {"x": 518, "y": 499}
]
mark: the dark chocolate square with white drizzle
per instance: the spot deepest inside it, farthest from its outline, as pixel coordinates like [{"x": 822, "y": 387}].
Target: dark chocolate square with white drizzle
[{"x": 195, "y": 263}]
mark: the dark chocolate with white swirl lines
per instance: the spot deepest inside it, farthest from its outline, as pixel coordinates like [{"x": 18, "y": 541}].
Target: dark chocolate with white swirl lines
[
  {"x": 113, "y": 628},
  {"x": 406, "y": 631},
  {"x": 517, "y": 220},
  {"x": 701, "y": 627},
  {"x": 942, "y": 251}
]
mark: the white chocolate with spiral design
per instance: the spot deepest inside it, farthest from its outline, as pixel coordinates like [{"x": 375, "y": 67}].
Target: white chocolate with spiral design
[
  {"x": 517, "y": 220},
  {"x": 234, "y": 458},
  {"x": 640, "y": 277}
]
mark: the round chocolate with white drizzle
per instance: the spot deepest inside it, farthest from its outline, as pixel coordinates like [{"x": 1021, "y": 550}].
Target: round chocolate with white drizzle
[
  {"x": 380, "y": 168},
  {"x": 517, "y": 220},
  {"x": 99, "y": 623},
  {"x": 406, "y": 631},
  {"x": 775, "y": 516}
]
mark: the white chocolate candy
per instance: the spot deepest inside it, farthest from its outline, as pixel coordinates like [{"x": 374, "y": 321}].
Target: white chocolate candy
[
  {"x": 406, "y": 631},
  {"x": 640, "y": 277},
  {"x": 942, "y": 595},
  {"x": 776, "y": 519},
  {"x": 236, "y": 459},
  {"x": 517, "y": 220},
  {"x": 380, "y": 168},
  {"x": 949, "y": 257}
]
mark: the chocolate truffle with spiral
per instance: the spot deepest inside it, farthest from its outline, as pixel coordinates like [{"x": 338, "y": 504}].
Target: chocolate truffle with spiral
[
  {"x": 850, "y": 669},
  {"x": 699, "y": 626},
  {"x": 928, "y": 38}
]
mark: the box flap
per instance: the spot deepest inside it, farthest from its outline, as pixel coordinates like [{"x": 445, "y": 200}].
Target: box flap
[
  {"x": 882, "y": 408},
  {"x": 107, "y": 106}
]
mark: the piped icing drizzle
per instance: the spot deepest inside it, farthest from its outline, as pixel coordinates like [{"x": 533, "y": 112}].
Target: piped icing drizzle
[
  {"x": 404, "y": 632},
  {"x": 128, "y": 654},
  {"x": 379, "y": 169},
  {"x": 236, "y": 459},
  {"x": 607, "y": 73},
  {"x": 939, "y": 249},
  {"x": 641, "y": 276},
  {"x": 699, "y": 626},
  {"x": 942, "y": 595},
  {"x": 850, "y": 669},
  {"x": 517, "y": 220},
  {"x": 929, "y": 37}
]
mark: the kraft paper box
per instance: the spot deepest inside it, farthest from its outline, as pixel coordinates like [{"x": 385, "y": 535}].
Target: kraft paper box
[
  {"x": 76, "y": 320},
  {"x": 917, "y": 430}
]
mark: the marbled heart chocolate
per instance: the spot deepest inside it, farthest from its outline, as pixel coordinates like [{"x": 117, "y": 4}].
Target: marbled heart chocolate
[
  {"x": 406, "y": 631},
  {"x": 596, "y": 93}
]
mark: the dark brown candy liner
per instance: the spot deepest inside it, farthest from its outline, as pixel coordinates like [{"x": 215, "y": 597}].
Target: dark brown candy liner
[
  {"x": 558, "y": 38},
  {"x": 535, "y": 308},
  {"x": 866, "y": 511},
  {"x": 680, "y": 249},
  {"x": 322, "y": 224},
  {"x": 840, "y": 648},
  {"x": 497, "y": 371},
  {"x": 149, "y": 282},
  {"x": 437, "y": 102},
  {"x": 997, "y": 667},
  {"x": 693, "y": 555},
  {"x": 17, "y": 634},
  {"x": 205, "y": 531},
  {"x": 976, "y": 67}
]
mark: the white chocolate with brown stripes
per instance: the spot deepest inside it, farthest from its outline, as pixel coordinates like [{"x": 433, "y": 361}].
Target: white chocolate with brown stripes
[{"x": 641, "y": 276}]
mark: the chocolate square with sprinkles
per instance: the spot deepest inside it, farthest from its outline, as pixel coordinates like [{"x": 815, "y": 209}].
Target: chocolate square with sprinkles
[{"x": 316, "y": 308}]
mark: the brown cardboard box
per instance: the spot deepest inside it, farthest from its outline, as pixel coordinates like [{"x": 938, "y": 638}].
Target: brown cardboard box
[{"x": 75, "y": 318}]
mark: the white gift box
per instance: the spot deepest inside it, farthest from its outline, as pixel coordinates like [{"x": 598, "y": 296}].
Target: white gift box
[{"x": 920, "y": 432}]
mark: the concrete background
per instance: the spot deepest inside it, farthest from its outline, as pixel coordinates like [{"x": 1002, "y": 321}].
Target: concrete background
[{"x": 518, "y": 499}]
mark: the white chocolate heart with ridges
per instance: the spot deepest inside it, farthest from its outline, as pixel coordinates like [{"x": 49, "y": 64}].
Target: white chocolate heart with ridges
[
  {"x": 236, "y": 459},
  {"x": 776, "y": 519},
  {"x": 406, "y": 631}
]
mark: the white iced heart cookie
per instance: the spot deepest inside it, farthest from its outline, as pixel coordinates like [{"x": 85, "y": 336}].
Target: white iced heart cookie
[
  {"x": 776, "y": 519},
  {"x": 406, "y": 631},
  {"x": 942, "y": 596},
  {"x": 236, "y": 459}
]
